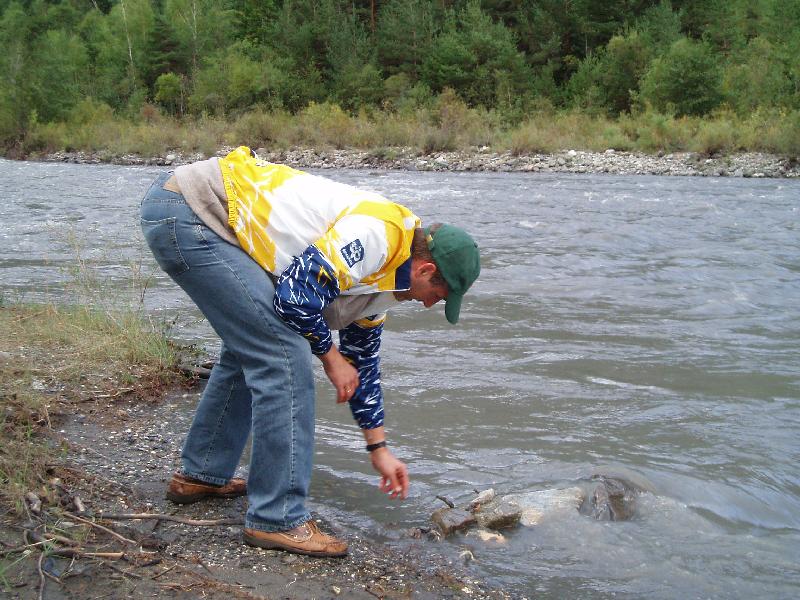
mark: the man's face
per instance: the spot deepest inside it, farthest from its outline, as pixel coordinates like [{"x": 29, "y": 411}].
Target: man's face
[{"x": 422, "y": 288}]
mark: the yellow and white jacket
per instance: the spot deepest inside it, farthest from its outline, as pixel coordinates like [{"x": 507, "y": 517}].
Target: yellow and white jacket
[{"x": 321, "y": 239}]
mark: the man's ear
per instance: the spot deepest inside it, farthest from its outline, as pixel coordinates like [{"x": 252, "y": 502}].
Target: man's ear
[{"x": 427, "y": 269}]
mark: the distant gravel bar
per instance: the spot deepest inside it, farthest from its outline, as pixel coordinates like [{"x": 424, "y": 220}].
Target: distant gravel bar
[{"x": 571, "y": 161}]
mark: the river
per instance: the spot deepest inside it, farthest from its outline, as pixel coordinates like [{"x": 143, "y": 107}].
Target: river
[{"x": 647, "y": 323}]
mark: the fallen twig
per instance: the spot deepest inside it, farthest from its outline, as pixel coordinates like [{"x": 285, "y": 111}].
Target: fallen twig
[
  {"x": 446, "y": 501},
  {"x": 165, "y": 571},
  {"x": 116, "y": 394},
  {"x": 41, "y": 576},
  {"x": 160, "y": 517},
  {"x": 22, "y": 548},
  {"x": 151, "y": 563},
  {"x": 69, "y": 552},
  {"x": 118, "y": 570},
  {"x": 122, "y": 539},
  {"x": 53, "y": 537}
]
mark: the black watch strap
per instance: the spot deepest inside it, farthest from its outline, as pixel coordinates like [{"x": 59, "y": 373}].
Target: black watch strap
[{"x": 371, "y": 447}]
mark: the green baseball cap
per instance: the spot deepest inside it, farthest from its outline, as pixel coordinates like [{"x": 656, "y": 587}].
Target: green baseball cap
[{"x": 458, "y": 260}]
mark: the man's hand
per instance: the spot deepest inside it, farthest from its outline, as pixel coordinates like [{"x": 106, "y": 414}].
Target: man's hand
[
  {"x": 342, "y": 374},
  {"x": 394, "y": 473}
]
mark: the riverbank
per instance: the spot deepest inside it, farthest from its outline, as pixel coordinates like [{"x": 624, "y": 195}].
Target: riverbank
[
  {"x": 84, "y": 443},
  {"x": 571, "y": 161}
]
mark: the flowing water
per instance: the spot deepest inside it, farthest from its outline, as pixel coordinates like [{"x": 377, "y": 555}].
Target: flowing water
[{"x": 648, "y": 323}]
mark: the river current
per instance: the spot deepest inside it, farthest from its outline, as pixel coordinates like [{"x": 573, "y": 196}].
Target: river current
[{"x": 643, "y": 323}]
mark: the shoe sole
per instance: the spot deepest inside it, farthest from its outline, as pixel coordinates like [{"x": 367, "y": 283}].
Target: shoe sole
[
  {"x": 191, "y": 498},
  {"x": 254, "y": 541}
]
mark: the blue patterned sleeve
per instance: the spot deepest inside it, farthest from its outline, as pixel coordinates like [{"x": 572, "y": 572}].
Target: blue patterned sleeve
[
  {"x": 360, "y": 342},
  {"x": 302, "y": 291}
]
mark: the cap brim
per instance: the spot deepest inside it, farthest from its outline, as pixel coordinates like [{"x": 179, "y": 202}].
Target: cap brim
[{"x": 452, "y": 307}]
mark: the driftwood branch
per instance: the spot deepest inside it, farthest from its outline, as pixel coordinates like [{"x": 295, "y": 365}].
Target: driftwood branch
[
  {"x": 112, "y": 533},
  {"x": 22, "y": 548},
  {"x": 446, "y": 501},
  {"x": 165, "y": 571},
  {"x": 69, "y": 552},
  {"x": 41, "y": 576},
  {"x": 118, "y": 570},
  {"x": 160, "y": 517}
]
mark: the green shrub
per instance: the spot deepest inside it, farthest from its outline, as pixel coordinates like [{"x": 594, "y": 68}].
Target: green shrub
[
  {"x": 652, "y": 131},
  {"x": 777, "y": 131},
  {"x": 325, "y": 124},
  {"x": 531, "y": 138},
  {"x": 756, "y": 78},
  {"x": 259, "y": 128},
  {"x": 686, "y": 80},
  {"x": 717, "y": 135},
  {"x": 169, "y": 92}
]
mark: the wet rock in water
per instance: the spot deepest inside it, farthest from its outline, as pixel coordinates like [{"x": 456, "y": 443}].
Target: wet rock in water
[
  {"x": 449, "y": 520},
  {"x": 484, "y": 497},
  {"x": 467, "y": 556},
  {"x": 499, "y": 514},
  {"x": 488, "y": 536},
  {"x": 627, "y": 477},
  {"x": 536, "y": 505},
  {"x": 614, "y": 495},
  {"x": 599, "y": 504},
  {"x": 621, "y": 499}
]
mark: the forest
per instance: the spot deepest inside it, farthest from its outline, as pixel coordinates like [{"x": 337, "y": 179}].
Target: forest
[{"x": 524, "y": 75}]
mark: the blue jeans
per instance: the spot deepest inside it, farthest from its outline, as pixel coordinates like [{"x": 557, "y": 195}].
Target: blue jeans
[{"x": 263, "y": 382}]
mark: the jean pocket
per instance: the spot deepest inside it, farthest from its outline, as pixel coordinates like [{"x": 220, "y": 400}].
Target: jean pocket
[{"x": 162, "y": 238}]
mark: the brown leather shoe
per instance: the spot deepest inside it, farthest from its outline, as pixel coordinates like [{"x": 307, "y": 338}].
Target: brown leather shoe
[
  {"x": 185, "y": 490},
  {"x": 311, "y": 542}
]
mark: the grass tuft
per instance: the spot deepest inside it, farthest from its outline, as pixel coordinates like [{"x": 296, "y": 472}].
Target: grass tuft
[{"x": 54, "y": 356}]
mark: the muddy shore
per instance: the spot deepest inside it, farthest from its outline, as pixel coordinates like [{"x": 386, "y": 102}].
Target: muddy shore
[
  {"x": 482, "y": 159},
  {"x": 117, "y": 456}
]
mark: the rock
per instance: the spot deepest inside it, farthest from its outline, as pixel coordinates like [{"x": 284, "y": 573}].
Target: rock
[
  {"x": 621, "y": 499},
  {"x": 536, "y": 505},
  {"x": 467, "y": 556},
  {"x": 449, "y": 520},
  {"x": 34, "y": 503},
  {"x": 627, "y": 477},
  {"x": 501, "y": 513},
  {"x": 599, "y": 507},
  {"x": 615, "y": 494},
  {"x": 572, "y": 153},
  {"x": 488, "y": 536},
  {"x": 484, "y": 497}
]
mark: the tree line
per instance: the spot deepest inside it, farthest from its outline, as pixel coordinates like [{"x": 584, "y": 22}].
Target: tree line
[{"x": 509, "y": 57}]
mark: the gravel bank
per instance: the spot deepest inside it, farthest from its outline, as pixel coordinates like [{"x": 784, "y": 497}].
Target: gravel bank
[
  {"x": 571, "y": 161},
  {"x": 118, "y": 457}
]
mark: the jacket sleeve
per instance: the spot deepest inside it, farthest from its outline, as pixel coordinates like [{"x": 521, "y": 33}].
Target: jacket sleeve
[
  {"x": 302, "y": 291},
  {"x": 360, "y": 343}
]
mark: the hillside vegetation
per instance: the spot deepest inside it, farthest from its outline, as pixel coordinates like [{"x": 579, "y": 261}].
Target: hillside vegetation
[{"x": 148, "y": 75}]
